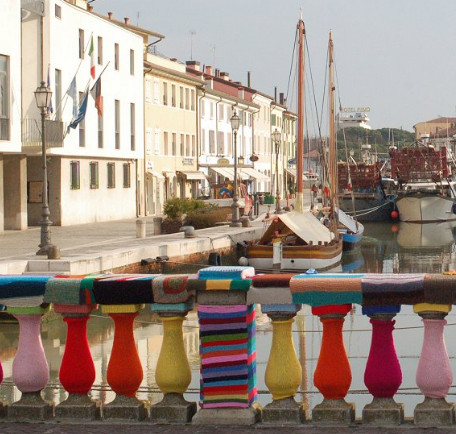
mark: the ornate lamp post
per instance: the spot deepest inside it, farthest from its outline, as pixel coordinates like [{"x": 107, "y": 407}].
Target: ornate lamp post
[
  {"x": 276, "y": 135},
  {"x": 43, "y": 97},
  {"x": 235, "y": 122}
]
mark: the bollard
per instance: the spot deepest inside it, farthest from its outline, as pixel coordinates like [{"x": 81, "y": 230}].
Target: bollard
[
  {"x": 158, "y": 225},
  {"x": 53, "y": 252},
  {"x": 140, "y": 228}
]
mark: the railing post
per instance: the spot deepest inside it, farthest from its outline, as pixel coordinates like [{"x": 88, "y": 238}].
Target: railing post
[
  {"x": 124, "y": 373},
  {"x": 30, "y": 367},
  {"x": 383, "y": 375},
  {"x": 434, "y": 376},
  {"x": 173, "y": 374},
  {"x": 77, "y": 370},
  {"x": 283, "y": 372},
  {"x": 332, "y": 376}
]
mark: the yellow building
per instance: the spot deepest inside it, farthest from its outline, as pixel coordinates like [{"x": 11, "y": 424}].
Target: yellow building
[
  {"x": 434, "y": 127},
  {"x": 170, "y": 132}
]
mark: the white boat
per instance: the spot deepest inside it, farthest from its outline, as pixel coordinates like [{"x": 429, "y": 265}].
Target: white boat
[{"x": 427, "y": 190}]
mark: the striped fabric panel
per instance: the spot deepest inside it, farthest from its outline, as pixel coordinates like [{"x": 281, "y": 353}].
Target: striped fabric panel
[
  {"x": 228, "y": 371},
  {"x": 223, "y": 272}
]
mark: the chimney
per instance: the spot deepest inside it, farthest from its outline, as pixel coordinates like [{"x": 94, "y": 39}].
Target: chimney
[
  {"x": 275, "y": 93},
  {"x": 208, "y": 70},
  {"x": 110, "y": 15},
  {"x": 217, "y": 73},
  {"x": 225, "y": 76},
  {"x": 127, "y": 21},
  {"x": 248, "y": 79},
  {"x": 209, "y": 83},
  {"x": 90, "y": 8},
  {"x": 282, "y": 98},
  {"x": 193, "y": 64},
  {"x": 241, "y": 92}
]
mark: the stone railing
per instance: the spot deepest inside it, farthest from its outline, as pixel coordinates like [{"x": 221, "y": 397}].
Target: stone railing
[{"x": 225, "y": 299}]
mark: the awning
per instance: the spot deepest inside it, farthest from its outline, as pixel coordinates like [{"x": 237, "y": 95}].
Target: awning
[
  {"x": 155, "y": 174},
  {"x": 291, "y": 172},
  {"x": 169, "y": 174},
  {"x": 193, "y": 176},
  {"x": 227, "y": 172},
  {"x": 254, "y": 174}
]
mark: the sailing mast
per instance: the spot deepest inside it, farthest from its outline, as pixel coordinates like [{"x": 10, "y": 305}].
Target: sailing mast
[{"x": 300, "y": 136}]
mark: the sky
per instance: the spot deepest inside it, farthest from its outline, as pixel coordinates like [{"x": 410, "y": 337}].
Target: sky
[{"x": 396, "y": 57}]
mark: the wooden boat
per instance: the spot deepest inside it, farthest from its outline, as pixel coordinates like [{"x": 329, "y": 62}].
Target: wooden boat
[
  {"x": 298, "y": 240},
  {"x": 426, "y": 187}
]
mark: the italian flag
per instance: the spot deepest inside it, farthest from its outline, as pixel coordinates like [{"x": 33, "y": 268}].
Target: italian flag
[{"x": 92, "y": 59}]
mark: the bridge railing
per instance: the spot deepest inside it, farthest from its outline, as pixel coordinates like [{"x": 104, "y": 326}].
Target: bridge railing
[{"x": 225, "y": 298}]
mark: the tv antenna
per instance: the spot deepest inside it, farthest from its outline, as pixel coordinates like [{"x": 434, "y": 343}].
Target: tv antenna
[{"x": 192, "y": 33}]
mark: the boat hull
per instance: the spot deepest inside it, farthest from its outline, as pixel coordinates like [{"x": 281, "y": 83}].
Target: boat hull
[
  {"x": 296, "y": 258},
  {"x": 426, "y": 208},
  {"x": 369, "y": 209}
]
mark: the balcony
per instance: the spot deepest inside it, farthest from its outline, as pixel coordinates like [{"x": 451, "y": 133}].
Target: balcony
[{"x": 31, "y": 133}]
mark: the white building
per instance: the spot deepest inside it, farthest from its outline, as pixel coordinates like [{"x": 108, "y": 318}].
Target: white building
[
  {"x": 13, "y": 187},
  {"x": 94, "y": 169}
]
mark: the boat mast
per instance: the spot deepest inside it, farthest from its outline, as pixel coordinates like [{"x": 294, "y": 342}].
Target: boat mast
[
  {"x": 332, "y": 158},
  {"x": 300, "y": 136}
]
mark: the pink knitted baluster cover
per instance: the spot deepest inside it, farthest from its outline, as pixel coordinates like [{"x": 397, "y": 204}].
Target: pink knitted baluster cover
[
  {"x": 383, "y": 374},
  {"x": 434, "y": 376}
]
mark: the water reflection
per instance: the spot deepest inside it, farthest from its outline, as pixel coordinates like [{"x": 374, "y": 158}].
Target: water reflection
[{"x": 401, "y": 247}]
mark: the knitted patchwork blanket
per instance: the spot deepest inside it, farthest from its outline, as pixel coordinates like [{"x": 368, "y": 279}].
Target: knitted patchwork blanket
[
  {"x": 269, "y": 295},
  {"x": 392, "y": 289},
  {"x": 224, "y": 272},
  {"x": 171, "y": 288},
  {"x": 439, "y": 289},
  {"x": 124, "y": 289},
  {"x": 22, "y": 290},
  {"x": 271, "y": 280},
  {"x": 195, "y": 284},
  {"x": 326, "y": 289}
]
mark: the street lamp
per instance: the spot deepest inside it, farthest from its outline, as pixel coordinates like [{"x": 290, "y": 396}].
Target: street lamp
[
  {"x": 43, "y": 97},
  {"x": 276, "y": 135},
  {"x": 235, "y": 122}
]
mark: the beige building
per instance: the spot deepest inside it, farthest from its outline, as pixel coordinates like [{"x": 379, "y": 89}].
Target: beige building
[
  {"x": 434, "y": 127},
  {"x": 171, "y": 137}
]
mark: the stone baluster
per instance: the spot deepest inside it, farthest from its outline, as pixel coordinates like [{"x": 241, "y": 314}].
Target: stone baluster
[
  {"x": 332, "y": 376},
  {"x": 30, "y": 367},
  {"x": 383, "y": 375},
  {"x": 434, "y": 376},
  {"x": 77, "y": 370},
  {"x": 283, "y": 372},
  {"x": 173, "y": 374},
  {"x": 124, "y": 373}
]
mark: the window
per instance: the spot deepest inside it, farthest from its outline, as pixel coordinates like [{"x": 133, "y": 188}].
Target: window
[
  {"x": 94, "y": 174},
  {"x": 58, "y": 11},
  {"x": 187, "y": 145},
  {"x": 4, "y": 98},
  {"x": 181, "y": 97},
  {"x": 192, "y": 100},
  {"x": 117, "y": 123},
  {"x": 111, "y": 175},
  {"x": 211, "y": 105},
  {"x": 81, "y": 125},
  {"x": 100, "y": 50},
  {"x": 173, "y": 95},
  {"x": 116, "y": 57},
  {"x": 203, "y": 105},
  {"x": 100, "y": 128},
  {"x": 74, "y": 175},
  {"x": 58, "y": 94},
  {"x": 157, "y": 142},
  {"x": 230, "y": 144},
  {"x": 126, "y": 175},
  {"x": 203, "y": 142},
  {"x": 81, "y": 43},
  {"x": 132, "y": 127},
  {"x": 174, "y": 144},
  {"x": 193, "y": 146},
  {"x": 187, "y": 98},
  {"x": 132, "y": 62},
  {"x": 165, "y": 93},
  {"x": 220, "y": 143},
  {"x": 148, "y": 91},
  {"x": 221, "y": 112},
  {"x": 156, "y": 91},
  {"x": 182, "y": 150},
  {"x": 211, "y": 142},
  {"x": 165, "y": 143}
]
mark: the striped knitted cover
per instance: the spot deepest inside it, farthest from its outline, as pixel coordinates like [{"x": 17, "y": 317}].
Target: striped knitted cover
[
  {"x": 392, "y": 289},
  {"x": 228, "y": 356},
  {"x": 124, "y": 289},
  {"x": 272, "y": 280},
  {"x": 218, "y": 284},
  {"x": 71, "y": 290},
  {"x": 440, "y": 289},
  {"x": 326, "y": 289},
  {"x": 22, "y": 290},
  {"x": 224, "y": 272}
]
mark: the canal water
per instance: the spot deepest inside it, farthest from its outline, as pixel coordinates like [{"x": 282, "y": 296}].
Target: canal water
[{"x": 389, "y": 248}]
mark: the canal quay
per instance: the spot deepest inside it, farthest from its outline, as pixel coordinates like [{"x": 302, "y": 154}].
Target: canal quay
[{"x": 113, "y": 246}]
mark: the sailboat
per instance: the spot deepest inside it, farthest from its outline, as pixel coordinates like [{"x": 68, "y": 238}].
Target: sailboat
[{"x": 297, "y": 240}]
